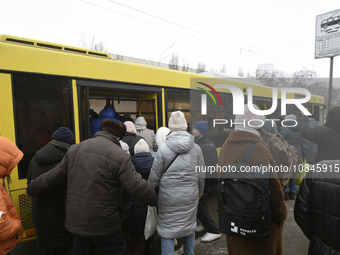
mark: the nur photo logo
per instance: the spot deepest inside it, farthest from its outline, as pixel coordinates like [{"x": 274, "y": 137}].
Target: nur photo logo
[{"x": 238, "y": 99}]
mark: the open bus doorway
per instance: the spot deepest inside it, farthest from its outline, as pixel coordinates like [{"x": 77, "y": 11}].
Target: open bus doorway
[{"x": 127, "y": 105}]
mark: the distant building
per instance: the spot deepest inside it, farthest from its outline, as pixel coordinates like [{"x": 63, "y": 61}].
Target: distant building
[
  {"x": 264, "y": 68},
  {"x": 147, "y": 62}
]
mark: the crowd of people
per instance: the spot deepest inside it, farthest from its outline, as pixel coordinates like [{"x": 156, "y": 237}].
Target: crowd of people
[{"x": 82, "y": 192}]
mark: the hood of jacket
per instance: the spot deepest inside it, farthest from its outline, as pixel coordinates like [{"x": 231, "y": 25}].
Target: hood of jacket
[
  {"x": 107, "y": 113},
  {"x": 243, "y": 137},
  {"x": 49, "y": 154},
  {"x": 290, "y": 125},
  {"x": 140, "y": 123},
  {"x": 108, "y": 136},
  {"x": 10, "y": 155},
  {"x": 334, "y": 122},
  {"x": 180, "y": 141},
  {"x": 314, "y": 123}
]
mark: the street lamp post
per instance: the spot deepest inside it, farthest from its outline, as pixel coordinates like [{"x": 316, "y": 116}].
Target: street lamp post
[{"x": 160, "y": 59}]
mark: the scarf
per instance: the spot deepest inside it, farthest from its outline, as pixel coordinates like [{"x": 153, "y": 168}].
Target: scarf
[{"x": 63, "y": 146}]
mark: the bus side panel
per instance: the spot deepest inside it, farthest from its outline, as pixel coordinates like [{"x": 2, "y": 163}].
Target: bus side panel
[{"x": 6, "y": 105}]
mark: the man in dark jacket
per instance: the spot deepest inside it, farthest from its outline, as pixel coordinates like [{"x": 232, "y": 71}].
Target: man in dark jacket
[
  {"x": 208, "y": 148},
  {"x": 97, "y": 171},
  {"x": 48, "y": 210},
  {"x": 327, "y": 137},
  {"x": 317, "y": 205},
  {"x": 290, "y": 132},
  {"x": 313, "y": 148}
]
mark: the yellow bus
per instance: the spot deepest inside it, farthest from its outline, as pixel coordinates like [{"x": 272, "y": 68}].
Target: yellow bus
[{"x": 44, "y": 86}]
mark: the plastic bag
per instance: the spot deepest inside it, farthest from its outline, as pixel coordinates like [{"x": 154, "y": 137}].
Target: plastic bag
[
  {"x": 299, "y": 175},
  {"x": 151, "y": 222}
]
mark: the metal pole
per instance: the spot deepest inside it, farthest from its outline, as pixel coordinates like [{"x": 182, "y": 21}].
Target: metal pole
[{"x": 330, "y": 85}]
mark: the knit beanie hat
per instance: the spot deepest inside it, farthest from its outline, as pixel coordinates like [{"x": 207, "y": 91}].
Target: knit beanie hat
[
  {"x": 161, "y": 134},
  {"x": 177, "y": 122},
  {"x": 64, "y": 135},
  {"x": 201, "y": 126},
  {"x": 255, "y": 121},
  {"x": 130, "y": 127},
  {"x": 290, "y": 117},
  {"x": 141, "y": 146},
  {"x": 334, "y": 110}
]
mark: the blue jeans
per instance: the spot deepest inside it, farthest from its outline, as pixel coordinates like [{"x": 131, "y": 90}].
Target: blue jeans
[
  {"x": 168, "y": 246},
  {"x": 292, "y": 186}
]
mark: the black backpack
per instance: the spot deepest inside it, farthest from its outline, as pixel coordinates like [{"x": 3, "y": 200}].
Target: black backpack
[{"x": 244, "y": 201}]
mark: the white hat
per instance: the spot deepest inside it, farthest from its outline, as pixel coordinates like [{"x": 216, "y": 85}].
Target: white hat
[
  {"x": 256, "y": 121},
  {"x": 161, "y": 134},
  {"x": 130, "y": 127},
  {"x": 290, "y": 117},
  {"x": 141, "y": 146},
  {"x": 177, "y": 122}
]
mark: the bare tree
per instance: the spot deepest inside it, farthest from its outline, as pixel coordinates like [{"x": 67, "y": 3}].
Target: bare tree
[
  {"x": 302, "y": 79},
  {"x": 200, "y": 67},
  {"x": 185, "y": 66},
  {"x": 271, "y": 78},
  {"x": 92, "y": 43},
  {"x": 240, "y": 72},
  {"x": 174, "y": 62},
  {"x": 223, "y": 69}
]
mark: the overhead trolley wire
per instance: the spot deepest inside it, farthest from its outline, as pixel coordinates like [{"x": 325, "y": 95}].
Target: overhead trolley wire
[
  {"x": 264, "y": 50},
  {"x": 261, "y": 59}
]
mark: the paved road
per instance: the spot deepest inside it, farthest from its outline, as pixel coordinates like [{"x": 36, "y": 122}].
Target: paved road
[{"x": 294, "y": 242}]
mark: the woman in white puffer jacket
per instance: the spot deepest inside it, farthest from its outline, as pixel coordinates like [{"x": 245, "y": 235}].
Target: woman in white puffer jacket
[{"x": 179, "y": 187}]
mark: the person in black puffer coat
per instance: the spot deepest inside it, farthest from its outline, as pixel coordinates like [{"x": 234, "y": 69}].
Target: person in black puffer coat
[
  {"x": 316, "y": 209},
  {"x": 48, "y": 209},
  {"x": 142, "y": 160},
  {"x": 327, "y": 137},
  {"x": 131, "y": 137}
]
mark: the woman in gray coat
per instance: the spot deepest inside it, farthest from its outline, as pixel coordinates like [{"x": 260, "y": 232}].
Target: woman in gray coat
[{"x": 180, "y": 187}]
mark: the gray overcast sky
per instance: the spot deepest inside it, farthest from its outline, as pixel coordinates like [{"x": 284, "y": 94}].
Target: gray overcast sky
[{"x": 237, "y": 33}]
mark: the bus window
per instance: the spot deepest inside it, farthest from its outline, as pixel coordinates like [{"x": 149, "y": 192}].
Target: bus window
[
  {"x": 148, "y": 110},
  {"x": 42, "y": 104},
  {"x": 178, "y": 100},
  {"x": 316, "y": 113}
]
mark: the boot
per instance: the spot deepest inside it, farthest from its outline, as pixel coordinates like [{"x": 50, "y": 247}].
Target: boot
[
  {"x": 286, "y": 196},
  {"x": 147, "y": 250},
  {"x": 292, "y": 196}
]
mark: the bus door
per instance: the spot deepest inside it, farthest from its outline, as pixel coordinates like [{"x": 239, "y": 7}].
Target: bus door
[
  {"x": 148, "y": 108},
  {"x": 128, "y": 102},
  {"x": 262, "y": 105}
]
